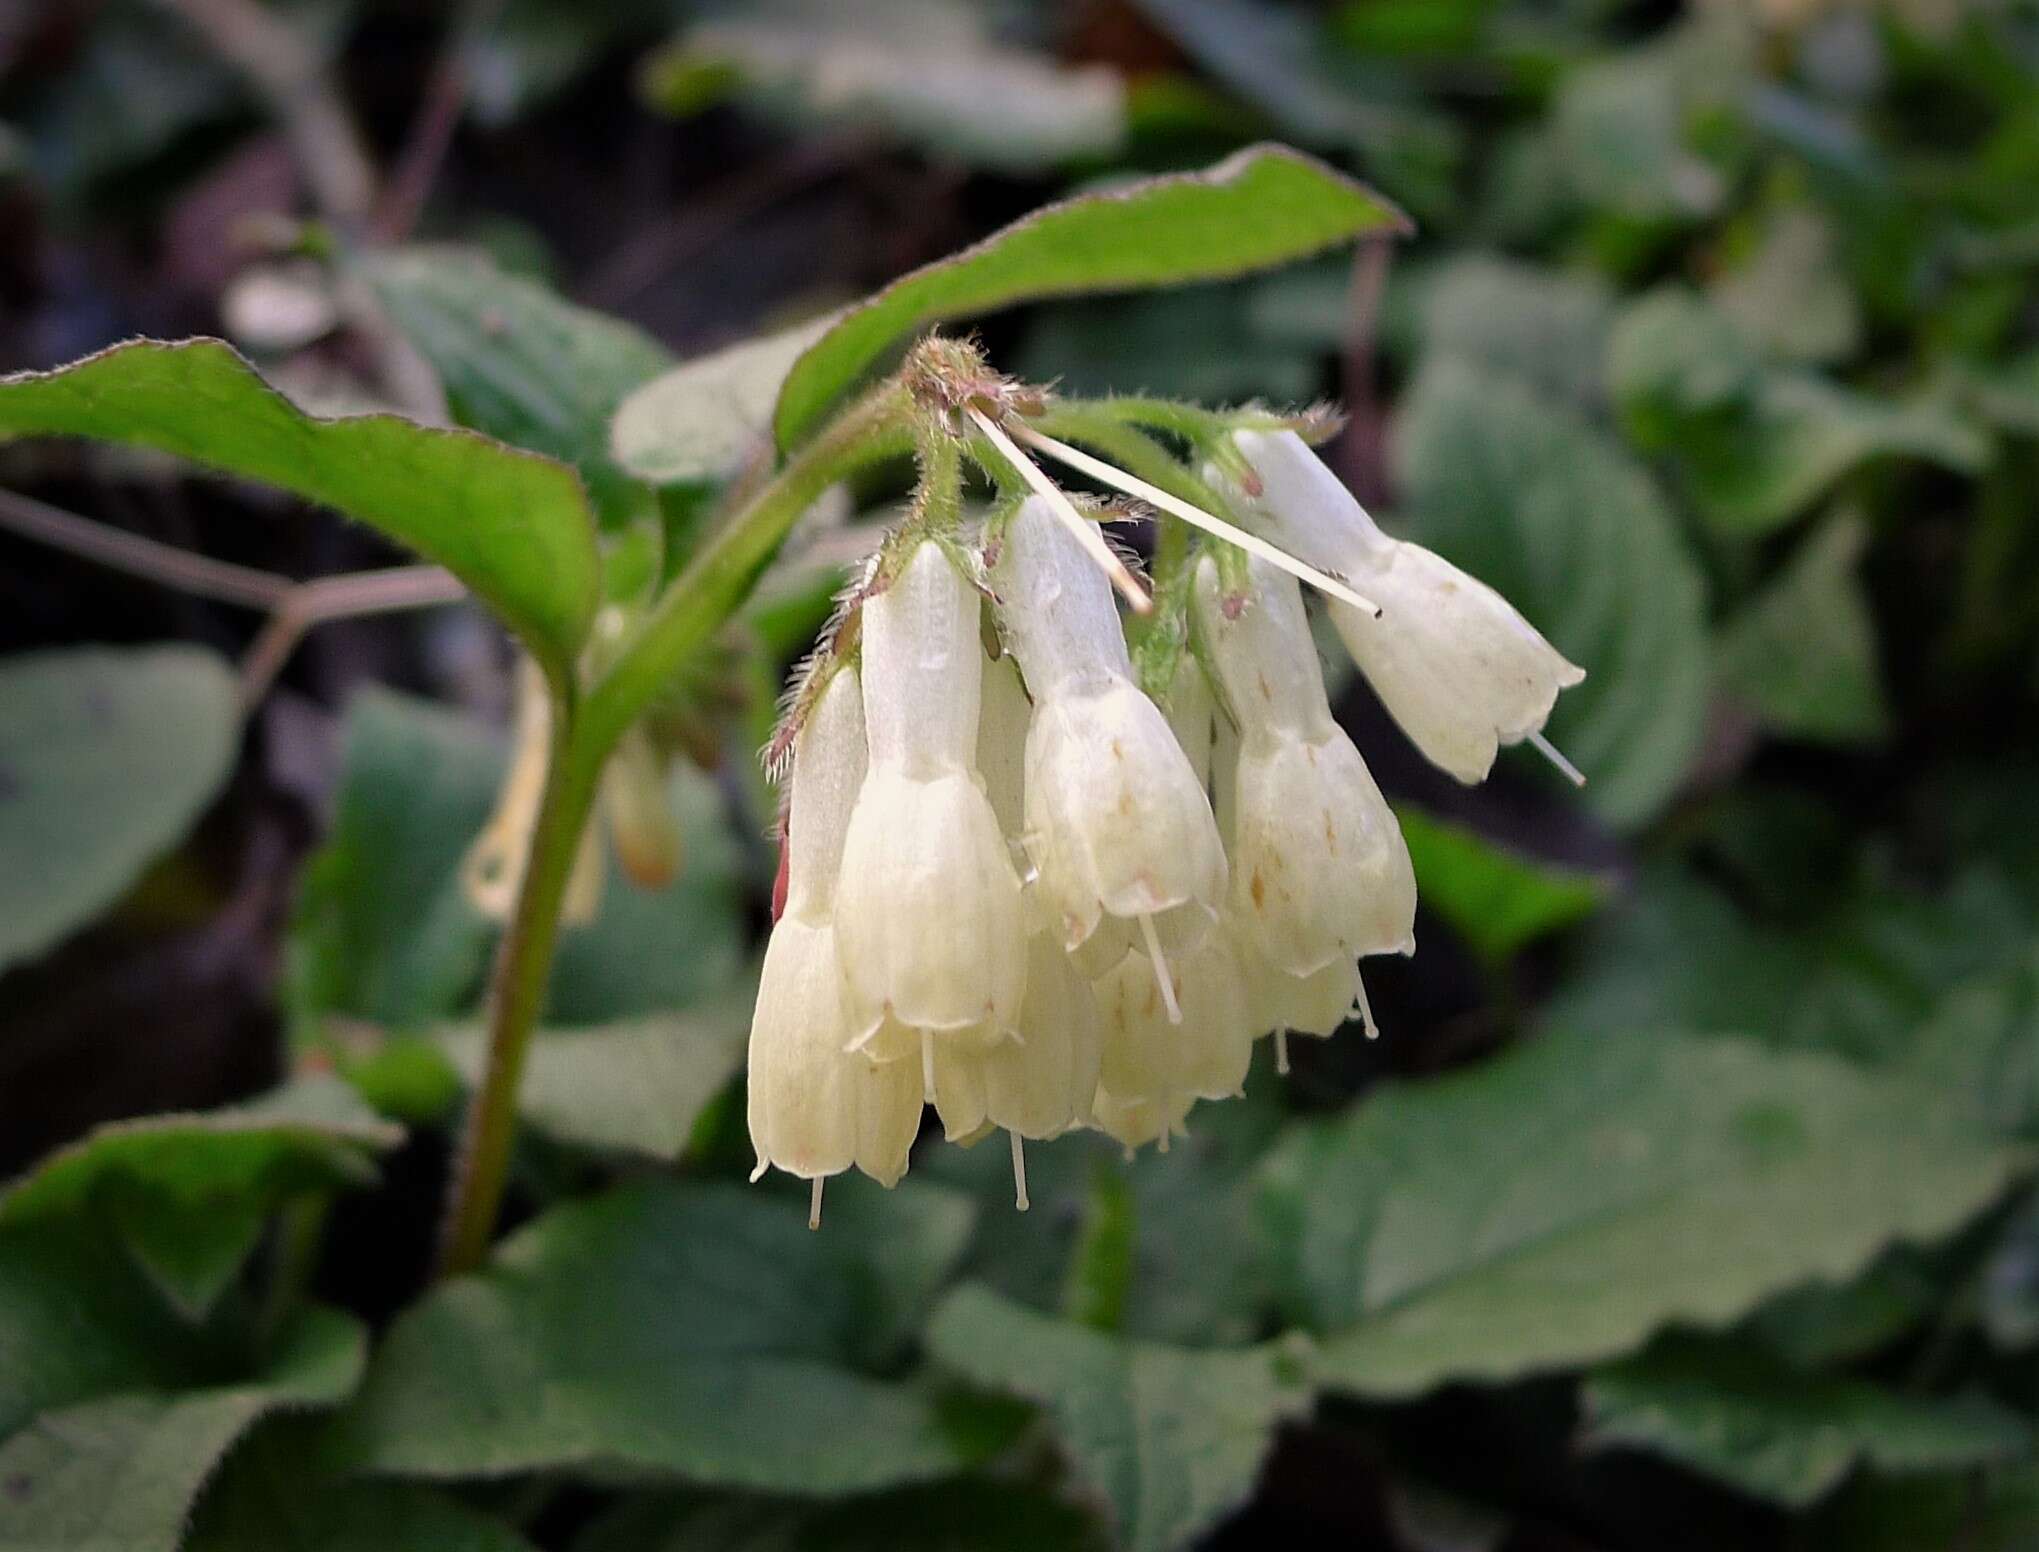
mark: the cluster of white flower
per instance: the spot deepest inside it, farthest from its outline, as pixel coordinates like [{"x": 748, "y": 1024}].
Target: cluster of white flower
[{"x": 1020, "y": 890}]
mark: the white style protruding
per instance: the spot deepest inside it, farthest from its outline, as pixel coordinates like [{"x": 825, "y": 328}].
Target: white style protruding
[{"x": 1457, "y": 667}]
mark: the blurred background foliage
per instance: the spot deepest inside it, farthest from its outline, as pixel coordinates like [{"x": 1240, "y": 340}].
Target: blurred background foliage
[{"x": 1682, "y": 1205}]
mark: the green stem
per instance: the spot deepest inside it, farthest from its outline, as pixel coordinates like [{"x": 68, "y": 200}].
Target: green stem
[
  {"x": 517, "y": 995},
  {"x": 697, "y": 604}
]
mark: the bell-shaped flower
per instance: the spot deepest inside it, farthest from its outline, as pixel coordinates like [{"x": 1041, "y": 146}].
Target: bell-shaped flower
[
  {"x": 1457, "y": 667},
  {"x": 1153, "y": 1068},
  {"x": 1320, "y": 870},
  {"x": 817, "y": 1108},
  {"x": 647, "y": 837},
  {"x": 928, "y": 909},
  {"x": 1118, "y": 826},
  {"x": 492, "y": 872}
]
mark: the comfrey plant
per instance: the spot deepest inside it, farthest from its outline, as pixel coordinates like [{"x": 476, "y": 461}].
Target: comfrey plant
[{"x": 1050, "y": 866}]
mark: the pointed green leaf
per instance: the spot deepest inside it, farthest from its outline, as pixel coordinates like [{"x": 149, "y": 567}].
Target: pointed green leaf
[
  {"x": 512, "y": 525},
  {"x": 106, "y": 757},
  {"x": 1564, "y": 1201},
  {"x": 120, "y": 1474},
  {"x": 707, "y": 417},
  {"x": 1531, "y": 499},
  {"x": 1171, "y": 1437},
  {"x": 1780, "y": 1435},
  {"x": 521, "y": 363},
  {"x": 1264, "y": 206},
  {"x": 699, "y": 1332}
]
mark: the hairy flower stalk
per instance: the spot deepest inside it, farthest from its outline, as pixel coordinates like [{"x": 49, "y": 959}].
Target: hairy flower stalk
[
  {"x": 1023, "y": 891},
  {"x": 1455, "y": 665}
]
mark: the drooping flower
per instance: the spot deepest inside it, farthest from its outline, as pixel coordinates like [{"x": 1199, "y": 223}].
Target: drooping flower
[
  {"x": 928, "y": 910},
  {"x": 815, "y": 1107},
  {"x": 1457, "y": 667},
  {"x": 1117, "y": 824},
  {"x": 1320, "y": 871}
]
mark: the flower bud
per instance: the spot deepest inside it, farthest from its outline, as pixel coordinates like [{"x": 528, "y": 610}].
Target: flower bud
[
  {"x": 1117, "y": 824},
  {"x": 815, "y": 1108},
  {"x": 928, "y": 909},
  {"x": 492, "y": 873},
  {"x": 1457, "y": 667},
  {"x": 641, "y": 823},
  {"x": 1320, "y": 870}
]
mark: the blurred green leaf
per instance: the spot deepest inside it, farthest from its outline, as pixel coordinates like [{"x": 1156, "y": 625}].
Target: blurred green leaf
[
  {"x": 1983, "y": 1040},
  {"x": 1988, "y": 1511},
  {"x": 1790, "y": 296},
  {"x": 383, "y": 932},
  {"x": 1823, "y": 1324},
  {"x": 106, "y": 758},
  {"x": 1545, "y": 326},
  {"x": 1497, "y": 900},
  {"x": 120, "y": 1474},
  {"x": 190, "y": 1194},
  {"x": 696, "y": 1332},
  {"x": 1779, "y": 1435},
  {"x": 272, "y": 1496},
  {"x": 928, "y": 72},
  {"x": 1802, "y": 653},
  {"x": 1532, "y": 500},
  {"x": 1621, "y": 127},
  {"x": 1757, "y": 445},
  {"x": 1566, "y": 1200},
  {"x": 513, "y": 526},
  {"x": 1201, "y": 344},
  {"x": 2010, "y": 1281},
  {"x": 1172, "y": 1437},
  {"x": 637, "y": 1086},
  {"x": 707, "y": 417},
  {"x": 1259, "y": 208},
  {"x": 521, "y": 363},
  {"x": 974, "y": 1514}
]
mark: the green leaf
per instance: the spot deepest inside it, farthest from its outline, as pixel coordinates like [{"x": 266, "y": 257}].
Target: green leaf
[
  {"x": 190, "y": 1193},
  {"x": 521, "y": 363},
  {"x": 1758, "y": 445},
  {"x": 1802, "y": 653},
  {"x": 1204, "y": 344},
  {"x": 1532, "y": 500},
  {"x": 383, "y": 932},
  {"x": 708, "y": 417},
  {"x": 1822, "y": 1325},
  {"x": 511, "y": 525},
  {"x": 106, "y": 757},
  {"x": 974, "y": 1514},
  {"x": 1989, "y": 1511},
  {"x": 271, "y": 1496},
  {"x": 120, "y": 1474},
  {"x": 1545, "y": 326},
  {"x": 632, "y": 1087},
  {"x": 929, "y": 73},
  {"x": 700, "y": 1332},
  {"x": 1497, "y": 900},
  {"x": 1790, "y": 296},
  {"x": 1564, "y": 1201},
  {"x": 1261, "y": 207},
  {"x": 1982, "y": 1040},
  {"x": 1779, "y": 1435},
  {"x": 1172, "y": 1438}
]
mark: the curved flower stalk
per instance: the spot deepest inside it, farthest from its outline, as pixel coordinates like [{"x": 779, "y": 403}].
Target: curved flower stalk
[
  {"x": 815, "y": 1107},
  {"x": 928, "y": 911},
  {"x": 1321, "y": 873},
  {"x": 1117, "y": 823},
  {"x": 1457, "y": 667}
]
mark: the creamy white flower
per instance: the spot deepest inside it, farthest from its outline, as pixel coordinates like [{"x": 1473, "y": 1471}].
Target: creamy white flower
[
  {"x": 816, "y": 1108},
  {"x": 492, "y": 872},
  {"x": 928, "y": 909},
  {"x": 1320, "y": 870},
  {"x": 1152, "y": 1069},
  {"x": 1117, "y": 824},
  {"x": 1040, "y": 1084},
  {"x": 1458, "y": 668}
]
